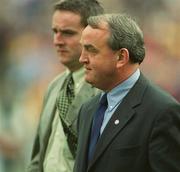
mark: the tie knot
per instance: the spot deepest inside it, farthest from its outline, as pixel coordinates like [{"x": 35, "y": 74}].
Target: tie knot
[
  {"x": 103, "y": 100},
  {"x": 70, "y": 82},
  {"x": 69, "y": 79},
  {"x": 70, "y": 87}
]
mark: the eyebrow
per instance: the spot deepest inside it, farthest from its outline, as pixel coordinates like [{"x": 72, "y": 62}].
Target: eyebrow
[
  {"x": 90, "y": 48},
  {"x": 69, "y": 31}
]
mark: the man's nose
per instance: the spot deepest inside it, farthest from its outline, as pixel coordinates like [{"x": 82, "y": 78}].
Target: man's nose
[
  {"x": 84, "y": 57},
  {"x": 58, "y": 39}
]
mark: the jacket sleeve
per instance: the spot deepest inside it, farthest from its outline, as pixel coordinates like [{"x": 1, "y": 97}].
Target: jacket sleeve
[
  {"x": 164, "y": 143},
  {"x": 34, "y": 164}
]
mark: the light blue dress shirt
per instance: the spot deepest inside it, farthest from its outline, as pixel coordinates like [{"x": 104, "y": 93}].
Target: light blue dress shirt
[{"x": 116, "y": 95}]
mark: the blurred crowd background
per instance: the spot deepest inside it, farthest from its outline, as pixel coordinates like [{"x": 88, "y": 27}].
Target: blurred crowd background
[{"x": 28, "y": 62}]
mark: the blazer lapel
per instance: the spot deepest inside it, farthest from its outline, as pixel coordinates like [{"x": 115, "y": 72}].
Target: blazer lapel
[
  {"x": 89, "y": 118},
  {"x": 48, "y": 113},
  {"x": 86, "y": 92},
  {"x": 124, "y": 114},
  {"x": 50, "y": 105},
  {"x": 86, "y": 126}
]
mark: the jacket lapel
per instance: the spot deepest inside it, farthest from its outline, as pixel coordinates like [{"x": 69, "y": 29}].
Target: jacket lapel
[
  {"x": 48, "y": 113},
  {"x": 86, "y": 92},
  {"x": 50, "y": 106},
  {"x": 88, "y": 112},
  {"x": 124, "y": 114}
]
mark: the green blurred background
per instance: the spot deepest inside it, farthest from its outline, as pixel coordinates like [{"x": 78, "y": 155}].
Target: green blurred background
[{"x": 28, "y": 62}]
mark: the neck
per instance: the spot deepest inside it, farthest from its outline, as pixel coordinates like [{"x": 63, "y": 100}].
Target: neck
[
  {"x": 123, "y": 75},
  {"x": 75, "y": 68}
]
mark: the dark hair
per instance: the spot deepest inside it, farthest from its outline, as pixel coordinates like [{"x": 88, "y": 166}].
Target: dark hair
[
  {"x": 124, "y": 33},
  {"x": 85, "y": 8}
]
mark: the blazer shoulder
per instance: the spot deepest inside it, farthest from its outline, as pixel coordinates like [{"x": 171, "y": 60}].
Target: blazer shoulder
[
  {"x": 158, "y": 98},
  {"x": 58, "y": 80},
  {"x": 159, "y": 94}
]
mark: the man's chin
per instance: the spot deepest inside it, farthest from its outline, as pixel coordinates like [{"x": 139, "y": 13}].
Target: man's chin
[
  {"x": 64, "y": 60},
  {"x": 63, "y": 55},
  {"x": 88, "y": 80}
]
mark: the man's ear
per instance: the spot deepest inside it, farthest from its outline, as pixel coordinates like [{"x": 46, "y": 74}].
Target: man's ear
[{"x": 122, "y": 57}]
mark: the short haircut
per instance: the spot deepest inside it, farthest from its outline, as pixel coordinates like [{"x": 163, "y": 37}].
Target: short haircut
[
  {"x": 85, "y": 8},
  {"x": 124, "y": 33}
]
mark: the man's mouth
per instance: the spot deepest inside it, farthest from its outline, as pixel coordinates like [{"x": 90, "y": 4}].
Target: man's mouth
[
  {"x": 61, "y": 50},
  {"x": 87, "y": 68}
]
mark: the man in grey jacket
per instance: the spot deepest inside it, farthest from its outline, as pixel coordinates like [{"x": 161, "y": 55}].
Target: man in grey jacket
[{"x": 56, "y": 140}]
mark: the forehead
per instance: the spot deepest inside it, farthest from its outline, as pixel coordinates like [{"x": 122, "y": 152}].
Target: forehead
[
  {"x": 62, "y": 18},
  {"x": 95, "y": 35}
]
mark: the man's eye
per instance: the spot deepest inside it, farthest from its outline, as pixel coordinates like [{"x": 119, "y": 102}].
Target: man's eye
[
  {"x": 92, "y": 50},
  {"x": 68, "y": 33},
  {"x": 55, "y": 30},
  {"x": 64, "y": 32}
]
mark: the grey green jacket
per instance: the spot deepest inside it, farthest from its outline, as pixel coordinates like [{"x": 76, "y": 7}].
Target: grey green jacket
[{"x": 47, "y": 116}]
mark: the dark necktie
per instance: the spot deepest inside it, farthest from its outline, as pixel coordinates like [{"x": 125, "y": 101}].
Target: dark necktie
[
  {"x": 96, "y": 126},
  {"x": 66, "y": 96},
  {"x": 64, "y": 100}
]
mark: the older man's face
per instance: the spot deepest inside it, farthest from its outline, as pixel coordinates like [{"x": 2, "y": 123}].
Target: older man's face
[{"x": 98, "y": 59}]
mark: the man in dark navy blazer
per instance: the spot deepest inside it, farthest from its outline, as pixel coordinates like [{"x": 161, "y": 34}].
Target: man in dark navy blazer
[{"x": 140, "y": 131}]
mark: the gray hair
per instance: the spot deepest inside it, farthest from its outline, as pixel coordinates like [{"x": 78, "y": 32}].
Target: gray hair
[{"x": 125, "y": 33}]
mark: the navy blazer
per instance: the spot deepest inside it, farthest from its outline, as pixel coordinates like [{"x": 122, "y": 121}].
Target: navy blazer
[{"x": 146, "y": 139}]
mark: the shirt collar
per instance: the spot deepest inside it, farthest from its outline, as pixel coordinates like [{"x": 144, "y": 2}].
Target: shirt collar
[
  {"x": 116, "y": 95},
  {"x": 78, "y": 77}
]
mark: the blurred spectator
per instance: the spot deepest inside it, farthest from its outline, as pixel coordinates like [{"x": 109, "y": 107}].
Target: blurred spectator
[{"x": 9, "y": 145}]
